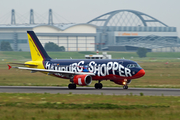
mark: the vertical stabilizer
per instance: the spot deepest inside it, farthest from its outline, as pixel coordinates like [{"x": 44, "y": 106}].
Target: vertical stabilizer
[{"x": 38, "y": 53}]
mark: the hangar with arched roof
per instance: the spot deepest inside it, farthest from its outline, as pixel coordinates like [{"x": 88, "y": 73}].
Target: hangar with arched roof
[
  {"x": 74, "y": 37},
  {"x": 120, "y": 30},
  {"x": 127, "y": 30}
]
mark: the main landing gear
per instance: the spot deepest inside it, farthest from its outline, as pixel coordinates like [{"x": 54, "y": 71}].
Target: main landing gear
[
  {"x": 98, "y": 85},
  {"x": 72, "y": 86}
]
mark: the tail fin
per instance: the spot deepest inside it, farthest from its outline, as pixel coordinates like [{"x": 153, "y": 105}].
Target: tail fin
[{"x": 38, "y": 53}]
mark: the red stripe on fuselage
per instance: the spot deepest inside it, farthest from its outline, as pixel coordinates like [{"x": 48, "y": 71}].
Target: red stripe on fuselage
[{"x": 114, "y": 77}]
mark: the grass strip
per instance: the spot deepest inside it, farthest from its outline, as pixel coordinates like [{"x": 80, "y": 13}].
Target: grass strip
[{"x": 58, "y": 105}]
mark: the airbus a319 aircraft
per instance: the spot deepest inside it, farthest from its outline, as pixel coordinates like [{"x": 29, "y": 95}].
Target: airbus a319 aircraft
[{"x": 80, "y": 71}]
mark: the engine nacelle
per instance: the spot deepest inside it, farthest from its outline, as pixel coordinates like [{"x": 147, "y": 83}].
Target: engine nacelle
[{"x": 82, "y": 80}]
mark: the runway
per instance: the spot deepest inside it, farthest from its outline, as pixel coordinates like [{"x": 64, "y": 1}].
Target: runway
[{"x": 91, "y": 90}]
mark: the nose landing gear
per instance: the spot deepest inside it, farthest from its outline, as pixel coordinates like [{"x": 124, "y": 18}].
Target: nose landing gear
[
  {"x": 125, "y": 87},
  {"x": 125, "y": 84}
]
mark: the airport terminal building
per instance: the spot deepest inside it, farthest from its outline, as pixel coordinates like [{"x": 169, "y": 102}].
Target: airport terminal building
[{"x": 120, "y": 30}]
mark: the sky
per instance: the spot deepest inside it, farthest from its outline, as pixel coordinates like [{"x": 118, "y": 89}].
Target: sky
[{"x": 82, "y": 11}]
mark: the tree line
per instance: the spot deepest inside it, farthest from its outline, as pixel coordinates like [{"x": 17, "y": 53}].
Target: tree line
[
  {"x": 5, "y": 46},
  {"x": 50, "y": 46}
]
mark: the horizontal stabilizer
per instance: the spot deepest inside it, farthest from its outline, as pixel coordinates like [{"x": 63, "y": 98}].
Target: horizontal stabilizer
[
  {"x": 9, "y": 67},
  {"x": 22, "y": 64}
]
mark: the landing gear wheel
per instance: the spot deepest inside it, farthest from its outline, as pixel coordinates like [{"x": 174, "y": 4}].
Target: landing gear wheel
[
  {"x": 72, "y": 86},
  {"x": 98, "y": 85},
  {"x": 125, "y": 87}
]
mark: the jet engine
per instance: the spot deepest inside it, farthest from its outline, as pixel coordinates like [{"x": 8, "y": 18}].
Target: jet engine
[{"x": 82, "y": 80}]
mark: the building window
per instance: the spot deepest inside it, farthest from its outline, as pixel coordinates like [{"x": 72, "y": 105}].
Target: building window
[
  {"x": 10, "y": 41},
  {"x": 22, "y": 41}
]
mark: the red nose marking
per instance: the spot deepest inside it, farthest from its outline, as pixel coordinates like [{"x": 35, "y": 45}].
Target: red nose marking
[{"x": 140, "y": 73}]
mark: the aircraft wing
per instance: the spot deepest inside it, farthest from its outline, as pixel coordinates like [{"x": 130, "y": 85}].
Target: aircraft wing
[{"x": 55, "y": 71}]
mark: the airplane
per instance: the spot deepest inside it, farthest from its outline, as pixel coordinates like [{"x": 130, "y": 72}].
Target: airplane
[{"x": 80, "y": 71}]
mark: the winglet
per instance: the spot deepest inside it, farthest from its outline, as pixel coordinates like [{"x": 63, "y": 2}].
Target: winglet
[{"x": 9, "y": 67}]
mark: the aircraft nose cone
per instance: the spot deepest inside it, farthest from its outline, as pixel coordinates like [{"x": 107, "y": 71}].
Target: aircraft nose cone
[{"x": 141, "y": 73}]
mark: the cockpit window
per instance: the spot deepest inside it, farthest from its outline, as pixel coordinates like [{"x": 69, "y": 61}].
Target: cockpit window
[{"x": 133, "y": 66}]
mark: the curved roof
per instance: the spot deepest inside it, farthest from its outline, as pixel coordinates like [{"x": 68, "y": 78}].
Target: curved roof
[
  {"x": 61, "y": 27},
  {"x": 125, "y": 18},
  {"x": 66, "y": 28}
]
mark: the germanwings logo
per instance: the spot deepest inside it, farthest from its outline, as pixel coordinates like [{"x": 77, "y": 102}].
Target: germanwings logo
[{"x": 99, "y": 69}]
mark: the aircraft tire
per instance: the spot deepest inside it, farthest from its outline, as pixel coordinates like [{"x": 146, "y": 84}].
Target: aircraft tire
[
  {"x": 125, "y": 87},
  {"x": 98, "y": 86},
  {"x": 72, "y": 86}
]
